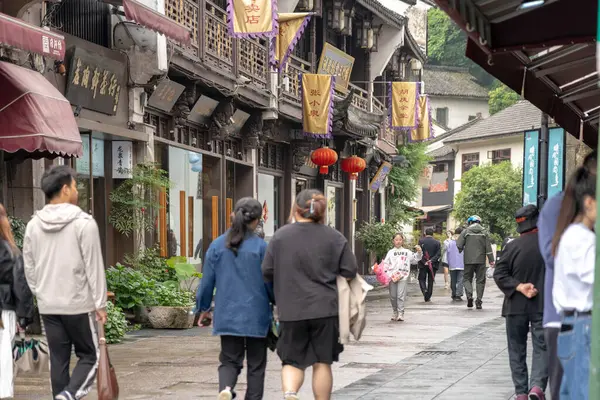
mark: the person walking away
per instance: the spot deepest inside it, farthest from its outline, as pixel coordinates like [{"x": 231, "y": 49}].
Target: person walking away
[
  {"x": 16, "y": 302},
  {"x": 444, "y": 260},
  {"x": 303, "y": 261},
  {"x": 399, "y": 259},
  {"x": 552, "y": 322},
  {"x": 574, "y": 249},
  {"x": 242, "y": 303},
  {"x": 65, "y": 271},
  {"x": 474, "y": 243},
  {"x": 456, "y": 266},
  {"x": 429, "y": 264},
  {"x": 519, "y": 274}
]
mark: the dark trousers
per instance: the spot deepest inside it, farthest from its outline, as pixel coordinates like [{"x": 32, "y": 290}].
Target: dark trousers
[
  {"x": 555, "y": 371},
  {"x": 64, "y": 332},
  {"x": 426, "y": 282},
  {"x": 517, "y": 330},
  {"x": 233, "y": 350},
  {"x": 456, "y": 282},
  {"x": 477, "y": 270}
]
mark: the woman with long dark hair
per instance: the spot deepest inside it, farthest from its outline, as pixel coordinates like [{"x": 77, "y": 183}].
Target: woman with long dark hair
[
  {"x": 303, "y": 261},
  {"x": 16, "y": 301},
  {"x": 242, "y": 315},
  {"x": 574, "y": 249}
]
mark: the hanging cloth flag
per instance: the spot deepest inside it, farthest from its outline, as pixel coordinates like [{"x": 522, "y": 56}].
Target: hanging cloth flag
[
  {"x": 291, "y": 28},
  {"x": 317, "y": 104},
  {"x": 403, "y": 103},
  {"x": 252, "y": 18},
  {"x": 424, "y": 131}
]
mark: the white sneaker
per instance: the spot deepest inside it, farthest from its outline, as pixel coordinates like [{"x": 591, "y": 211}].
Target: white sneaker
[
  {"x": 291, "y": 396},
  {"x": 447, "y": 286},
  {"x": 225, "y": 395},
  {"x": 400, "y": 317},
  {"x": 394, "y": 316}
]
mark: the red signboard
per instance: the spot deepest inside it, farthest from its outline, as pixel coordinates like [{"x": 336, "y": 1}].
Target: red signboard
[{"x": 18, "y": 33}]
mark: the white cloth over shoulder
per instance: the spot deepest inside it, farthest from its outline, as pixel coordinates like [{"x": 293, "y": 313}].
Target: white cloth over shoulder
[
  {"x": 352, "y": 297},
  {"x": 7, "y": 336}
]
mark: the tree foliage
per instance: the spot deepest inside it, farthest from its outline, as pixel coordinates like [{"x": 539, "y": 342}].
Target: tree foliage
[
  {"x": 136, "y": 200},
  {"x": 493, "y": 192},
  {"x": 502, "y": 97},
  {"x": 447, "y": 43}
]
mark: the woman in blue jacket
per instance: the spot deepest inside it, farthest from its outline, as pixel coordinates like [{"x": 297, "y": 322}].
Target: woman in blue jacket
[{"x": 242, "y": 315}]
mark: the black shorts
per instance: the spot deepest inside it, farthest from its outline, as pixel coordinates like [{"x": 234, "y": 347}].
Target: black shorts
[{"x": 307, "y": 342}]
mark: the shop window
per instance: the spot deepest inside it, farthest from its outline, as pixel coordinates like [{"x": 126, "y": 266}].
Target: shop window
[
  {"x": 334, "y": 207},
  {"x": 439, "y": 178},
  {"x": 441, "y": 116},
  {"x": 469, "y": 161},
  {"x": 498, "y": 156},
  {"x": 269, "y": 195}
]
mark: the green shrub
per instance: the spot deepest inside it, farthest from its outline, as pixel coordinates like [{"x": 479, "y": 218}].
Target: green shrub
[
  {"x": 18, "y": 226},
  {"x": 116, "y": 324},
  {"x": 377, "y": 237},
  {"x": 169, "y": 296},
  {"x": 152, "y": 265},
  {"x": 131, "y": 287}
]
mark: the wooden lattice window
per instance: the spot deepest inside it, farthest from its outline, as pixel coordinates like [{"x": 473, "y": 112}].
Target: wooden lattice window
[{"x": 186, "y": 13}]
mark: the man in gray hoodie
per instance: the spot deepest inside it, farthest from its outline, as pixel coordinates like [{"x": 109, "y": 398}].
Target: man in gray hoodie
[
  {"x": 65, "y": 271},
  {"x": 474, "y": 243}
]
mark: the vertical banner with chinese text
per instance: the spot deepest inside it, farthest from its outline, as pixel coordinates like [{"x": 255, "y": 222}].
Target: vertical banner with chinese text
[
  {"x": 317, "y": 104},
  {"x": 252, "y": 18},
  {"x": 291, "y": 28},
  {"x": 403, "y": 99},
  {"x": 424, "y": 129},
  {"x": 556, "y": 161},
  {"x": 530, "y": 167}
]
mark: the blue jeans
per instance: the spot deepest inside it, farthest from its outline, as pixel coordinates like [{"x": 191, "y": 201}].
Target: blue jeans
[{"x": 574, "y": 353}]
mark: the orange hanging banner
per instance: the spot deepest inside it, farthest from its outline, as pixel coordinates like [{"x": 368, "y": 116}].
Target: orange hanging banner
[
  {"x": 403, "y": 103},
  {"x": 317, "y": 104},
  {"x": 424, "y": 131}
]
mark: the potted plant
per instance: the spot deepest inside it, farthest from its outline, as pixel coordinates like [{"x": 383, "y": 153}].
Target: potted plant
[{"x": 171, "y": 304}]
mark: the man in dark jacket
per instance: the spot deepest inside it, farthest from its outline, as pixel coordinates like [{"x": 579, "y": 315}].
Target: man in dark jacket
[
  {"x": 520, "y": 275},
  {"x": 474, "y": 243},
  {"x": 429, "y": 264}
]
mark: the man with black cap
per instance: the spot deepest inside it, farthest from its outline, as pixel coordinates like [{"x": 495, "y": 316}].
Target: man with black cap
[{"x": 519, "y": 273}]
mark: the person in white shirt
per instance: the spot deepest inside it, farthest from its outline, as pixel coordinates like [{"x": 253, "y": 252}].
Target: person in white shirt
[
  {"x": 574, "y": 248},
  {"x": 397, "y": 263}
]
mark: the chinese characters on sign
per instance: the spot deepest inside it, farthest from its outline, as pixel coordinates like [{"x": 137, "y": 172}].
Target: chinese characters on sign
[
  {"x": 291, "y": 26},
  {"x": 380, "y": 176},
  {"x": 317, "y": 104},
  {"x": 251, "y": 18},
  {"x": 556, "y": 156},
  {"x": 52, "y": 45},
  {"x": 122, "y": 159},
  {"x": 165, "y": 96},
  {"x": 530, "y": 168},
  {"x": 404, "y": 106},
  {"x": 95, "y": 82},
  {"x": 82, "y": 164},
  {"x": 337, "y": 63}
]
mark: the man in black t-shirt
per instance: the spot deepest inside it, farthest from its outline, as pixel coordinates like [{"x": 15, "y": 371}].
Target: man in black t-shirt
[{"x": 429, "y": 264}]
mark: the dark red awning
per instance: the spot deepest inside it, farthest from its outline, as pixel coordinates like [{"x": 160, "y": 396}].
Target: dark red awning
[
  {"x": 34, "y": 115},
  {"x": 18, "y": 33},
  {"x": 151, "y": 19}
]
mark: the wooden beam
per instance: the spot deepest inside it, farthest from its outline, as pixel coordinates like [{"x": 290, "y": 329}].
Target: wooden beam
[{"x": 182, "y": 220}]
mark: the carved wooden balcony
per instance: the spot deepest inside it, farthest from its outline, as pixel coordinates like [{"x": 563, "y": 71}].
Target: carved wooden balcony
[
  {"x": 291, "y": 73},
  {"x": 361, "y": 100},
  {"x": 212, "y": 44}
]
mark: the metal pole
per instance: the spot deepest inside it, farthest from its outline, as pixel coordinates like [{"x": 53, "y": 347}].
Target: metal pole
[{"x": 543, "y": 162}]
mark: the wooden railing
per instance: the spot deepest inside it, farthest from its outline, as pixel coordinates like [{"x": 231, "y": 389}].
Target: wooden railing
[
  {"x": 212, "y": 44},
  {"x": 290, "y": 78}
]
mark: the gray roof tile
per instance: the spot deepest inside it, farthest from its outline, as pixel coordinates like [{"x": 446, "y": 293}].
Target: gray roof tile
[
  {"x": 515, "y": 119},
  {"x": 452, "y": 81}
]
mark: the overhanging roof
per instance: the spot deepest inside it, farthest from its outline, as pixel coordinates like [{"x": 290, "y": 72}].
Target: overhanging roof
[{"x": 546, "y": 53}]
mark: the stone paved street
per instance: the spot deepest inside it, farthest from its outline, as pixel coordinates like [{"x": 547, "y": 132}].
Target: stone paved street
[{"x": 442, "y": 351}]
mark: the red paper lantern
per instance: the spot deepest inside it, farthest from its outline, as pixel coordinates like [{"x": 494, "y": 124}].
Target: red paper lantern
[
  {"x": 353, "y": 165},
  {"x": 324, "y": 157}
]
